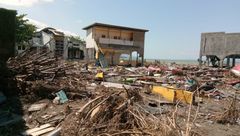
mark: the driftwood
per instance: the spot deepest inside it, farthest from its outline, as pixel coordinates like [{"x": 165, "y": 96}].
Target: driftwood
[
  {"x": 231, "y": 115},
  {"x": 112, "y": 114}
]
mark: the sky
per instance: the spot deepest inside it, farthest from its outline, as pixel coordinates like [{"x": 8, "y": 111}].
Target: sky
[{"x": 175, "y": 26}]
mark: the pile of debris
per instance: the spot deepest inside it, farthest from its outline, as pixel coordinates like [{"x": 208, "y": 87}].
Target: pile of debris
[
  {"x": 75, "y": 98},
  {"x": 38, "y": 73},
  {"x": 119, "y": 113}
]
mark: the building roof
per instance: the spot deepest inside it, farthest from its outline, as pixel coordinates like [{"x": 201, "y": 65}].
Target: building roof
[{"x": 114, "y": 26}]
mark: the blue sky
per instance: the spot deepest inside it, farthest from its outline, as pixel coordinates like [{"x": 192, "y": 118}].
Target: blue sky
[{"x": 175, "y": 26}]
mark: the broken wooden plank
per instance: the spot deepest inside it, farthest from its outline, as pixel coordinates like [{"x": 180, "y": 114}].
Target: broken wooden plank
[
  {"x": 30, "y": 131},
  {"x": 115, "y": 85},
  {"x": 43, "y": 131},
  {"x": 55, "y": 132},
  {"x": 37, "y": 107}
]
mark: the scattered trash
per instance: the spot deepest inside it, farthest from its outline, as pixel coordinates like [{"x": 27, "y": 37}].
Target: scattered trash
[
  {"x": 62, "y": 96},
  {"x": 56, "y": 100},
  {"x": 115, "y": 100},
  {"x": 174, "y": 95},
  {"x": 214, "y": 94},
  {"x": 236, "y": 70},
  {"x": 237, "y": 86},
  {"x": 99, "y": 76},
  {"x": 116, "y": 85},
  {"x": 129, "y": 80},
  {"x": 231, "y": 115}
]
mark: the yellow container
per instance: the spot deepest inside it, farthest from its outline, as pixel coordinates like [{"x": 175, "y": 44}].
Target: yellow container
[{"x": 173, "y": 94}]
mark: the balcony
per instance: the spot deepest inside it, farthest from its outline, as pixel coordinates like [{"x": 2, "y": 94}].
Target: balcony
[{"x": 115, "y": 41}]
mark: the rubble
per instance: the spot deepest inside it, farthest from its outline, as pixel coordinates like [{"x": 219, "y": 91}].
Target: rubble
[
  {"x": 78, "y": 98},
  {"x": 39, "y": 130},
  {"x": 231, "y": 115},
  {"x": 37, "y": 107},
  {"x": 236, "y": 70}
]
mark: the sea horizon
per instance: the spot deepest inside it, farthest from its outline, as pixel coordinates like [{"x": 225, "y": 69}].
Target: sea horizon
[{"x": 177, "y": 61}]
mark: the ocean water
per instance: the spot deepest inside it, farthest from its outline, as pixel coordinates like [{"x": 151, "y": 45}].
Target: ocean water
[{"x": 167, "y": 61}]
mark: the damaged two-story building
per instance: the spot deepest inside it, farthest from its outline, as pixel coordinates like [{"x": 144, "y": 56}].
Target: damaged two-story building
[{"x": 109, "y": 42}]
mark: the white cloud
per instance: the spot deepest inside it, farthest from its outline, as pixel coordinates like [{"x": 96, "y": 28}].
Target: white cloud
[
  {"x": 22, "y": 3},
  {"x": 67, "y": 33},
  {"x": 41, "y": 25},
  {"x": 38, "y": 24}
]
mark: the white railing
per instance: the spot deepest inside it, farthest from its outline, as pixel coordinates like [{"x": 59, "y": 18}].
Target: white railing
[{"x": 115, "y": 41}]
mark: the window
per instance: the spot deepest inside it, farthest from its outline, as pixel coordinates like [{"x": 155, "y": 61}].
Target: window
[
  {"x": 103, "y": 36},
  {"x": 19, "y": 47},
  {"x": 23, "y": 47}
]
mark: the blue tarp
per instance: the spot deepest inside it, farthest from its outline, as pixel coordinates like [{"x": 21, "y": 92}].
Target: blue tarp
[{"x": 63, "y": 98}]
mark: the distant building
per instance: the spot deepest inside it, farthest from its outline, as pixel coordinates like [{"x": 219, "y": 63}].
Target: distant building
[
  {"x": 217, "y": 46},
  {"x": 65, "y": 46},
  {"x": 112, "y": 41}
]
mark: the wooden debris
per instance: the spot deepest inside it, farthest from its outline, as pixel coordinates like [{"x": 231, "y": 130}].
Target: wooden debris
[
  {"x": 37, "y": 107},
  {"x": 39, "y": 130}
]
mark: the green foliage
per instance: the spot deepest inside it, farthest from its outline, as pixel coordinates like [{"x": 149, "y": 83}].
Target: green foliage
[
  {"x": 78, "y": 38},
  {"x": 24, "y": 31}
]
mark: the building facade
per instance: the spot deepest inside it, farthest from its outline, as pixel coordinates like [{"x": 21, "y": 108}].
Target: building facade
[
  {"x": 218, "y": 46},
  {"x": 56, "y": 41},
  {"x": 112, "y": 41}
]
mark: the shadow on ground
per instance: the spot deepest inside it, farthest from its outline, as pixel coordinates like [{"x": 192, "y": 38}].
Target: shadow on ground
[{"x": 11, "y": 110}]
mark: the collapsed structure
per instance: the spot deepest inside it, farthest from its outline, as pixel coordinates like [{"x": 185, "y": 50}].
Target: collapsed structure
[
  {"x": 218, "y": 46},
  {"x": 109, "y": 42},
  {"x": 62, "y": 44}
]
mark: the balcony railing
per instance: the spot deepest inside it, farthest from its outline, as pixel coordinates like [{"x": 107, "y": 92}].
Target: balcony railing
[{"x": 115, "y": 41}]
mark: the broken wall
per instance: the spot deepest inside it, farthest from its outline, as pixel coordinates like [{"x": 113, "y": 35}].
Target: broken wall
[{"x": 220, "y": 44}]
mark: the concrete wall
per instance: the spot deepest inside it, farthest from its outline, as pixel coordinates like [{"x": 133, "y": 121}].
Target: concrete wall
[
  {"x": 65, "y": 47},
  {"x": 89, "y": 39},
  {"x": 220, "y": 44},
  {"x": 90, "y": 54},
  {"x": 73, "y": 44}
]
